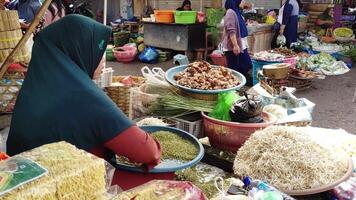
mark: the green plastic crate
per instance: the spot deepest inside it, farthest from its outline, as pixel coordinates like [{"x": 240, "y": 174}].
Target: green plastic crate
[
  {"x": 214, "y": 16},
  {"x": 185, "y": 17}
]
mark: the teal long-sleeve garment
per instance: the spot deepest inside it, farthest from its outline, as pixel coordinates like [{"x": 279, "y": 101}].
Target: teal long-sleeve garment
[{"x": 58, "y": 100}]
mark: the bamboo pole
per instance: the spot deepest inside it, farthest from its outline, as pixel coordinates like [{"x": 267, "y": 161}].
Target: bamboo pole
[{"x": 24, "y": 38}]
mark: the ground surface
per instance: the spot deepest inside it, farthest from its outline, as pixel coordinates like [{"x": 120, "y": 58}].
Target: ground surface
[{"x": 332, "y": 96}]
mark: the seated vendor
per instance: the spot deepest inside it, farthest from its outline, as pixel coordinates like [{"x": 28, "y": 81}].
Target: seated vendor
[
  {"x": 186, "y": 6},
  {"x": 60, "y": 102},
  {"x": 325, "y": 21}
]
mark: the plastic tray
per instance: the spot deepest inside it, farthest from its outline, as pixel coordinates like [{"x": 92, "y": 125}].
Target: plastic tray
[
  {"x": 165, "y": 167},
  {"x": 173, "y": 71},
  {"x": 185, "y": 17}
]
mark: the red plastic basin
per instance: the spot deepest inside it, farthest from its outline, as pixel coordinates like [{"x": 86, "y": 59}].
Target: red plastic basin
[{"x": 231, "y": 136}]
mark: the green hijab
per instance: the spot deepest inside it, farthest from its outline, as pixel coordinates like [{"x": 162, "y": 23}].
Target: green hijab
[{"x": 58, "y": 100}]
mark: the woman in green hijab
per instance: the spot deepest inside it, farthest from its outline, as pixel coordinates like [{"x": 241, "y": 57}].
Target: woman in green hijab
[{"x": 60, "y": 102}]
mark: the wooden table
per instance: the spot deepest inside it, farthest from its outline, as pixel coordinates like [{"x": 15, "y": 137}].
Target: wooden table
[{"x": 178, "y": 37}]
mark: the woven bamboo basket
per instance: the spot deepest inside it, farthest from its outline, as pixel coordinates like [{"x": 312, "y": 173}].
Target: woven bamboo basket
[
  {"x": 10, "y": 85},
  {"x": 10, "y": 35},
  {"x": 299, "y": 83},
  {"x": 9, "y": 20},
  {"x": 120, "y": 94}
]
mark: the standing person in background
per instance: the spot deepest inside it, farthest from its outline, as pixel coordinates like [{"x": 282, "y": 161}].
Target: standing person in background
[
  {"x": 288, "y": 19},
  {"x": 27, "y": 9},
  {"x": 235, "y": 38},
  {"x": 186, "y": 6}
]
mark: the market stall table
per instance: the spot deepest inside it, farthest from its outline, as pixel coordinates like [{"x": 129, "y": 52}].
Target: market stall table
[{"x": 179, "y": 37}]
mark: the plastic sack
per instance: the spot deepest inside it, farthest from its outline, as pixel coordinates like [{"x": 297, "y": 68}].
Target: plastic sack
[
  {"x": 299, "y": 110},
  {"x": 161, "y": 189},
  {"x": 337, "y": 68},
  {"x": 149, "y": 55},
  {"x": 223, "y": 106},
  {"x": 247, "y": 110}
]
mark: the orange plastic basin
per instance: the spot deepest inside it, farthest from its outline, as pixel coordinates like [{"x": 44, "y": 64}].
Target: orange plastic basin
[{"x": 164, "y": 16}]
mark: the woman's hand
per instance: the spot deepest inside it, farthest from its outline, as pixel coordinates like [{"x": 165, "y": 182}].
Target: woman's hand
[
  {"x": 24, "y": 25},
  {"x": 281, "y": 30},
  {"x": 236, "y": 50}
]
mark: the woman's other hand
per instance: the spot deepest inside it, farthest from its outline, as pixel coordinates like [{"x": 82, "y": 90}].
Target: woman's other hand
[{"x": 236, "y": 50}]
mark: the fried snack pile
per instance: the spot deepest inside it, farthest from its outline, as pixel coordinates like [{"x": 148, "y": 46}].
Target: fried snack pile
[{"x": 202, "y": 76}]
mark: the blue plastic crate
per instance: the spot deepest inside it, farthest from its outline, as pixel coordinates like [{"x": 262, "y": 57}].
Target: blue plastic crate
[{"x": 257, "y": 66}]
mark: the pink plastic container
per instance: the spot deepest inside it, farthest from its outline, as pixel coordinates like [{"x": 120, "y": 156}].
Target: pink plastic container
[
  {"x": 219, "y": 60},
  {"x": 292, "y": 61},
  {"x": 125, "y": 54},
  {"x": 232, "y": 135}
]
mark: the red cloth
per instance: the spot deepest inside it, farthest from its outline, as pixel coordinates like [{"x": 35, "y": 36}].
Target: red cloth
[{"x": 127, "y": 180}]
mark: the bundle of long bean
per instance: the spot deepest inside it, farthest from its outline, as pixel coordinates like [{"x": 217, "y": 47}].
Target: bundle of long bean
[{"x": 172, "y": 103}]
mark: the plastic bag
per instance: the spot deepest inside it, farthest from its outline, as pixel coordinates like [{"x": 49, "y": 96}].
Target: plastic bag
[
  {"x": 163, "y": 189},
  {"x": 337, "y": 68},
  {"x": 299, "y": 110},
  {"x": 219, "y": 184},
  {"x": 149, "y": 55},
  {"x": 247, "y": 110},
  {"x": 155, "y": 77},
  {"x": 223, "y": 106}
]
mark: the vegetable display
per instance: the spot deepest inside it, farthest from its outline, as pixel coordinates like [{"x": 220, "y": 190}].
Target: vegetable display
[
  {"x": 343, "y": 32},
  {"x": 289, "y": 159},
  {"x": 201, "y": 75},
  {"x": 202, "y": 176},
  {"x": 314, "y": 62},
  {"x": 268, "y": 56},
  {"x": 284, "y": 51}
]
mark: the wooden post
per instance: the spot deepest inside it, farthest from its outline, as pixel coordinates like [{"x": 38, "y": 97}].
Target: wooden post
[{"x": 24, "y": 38}]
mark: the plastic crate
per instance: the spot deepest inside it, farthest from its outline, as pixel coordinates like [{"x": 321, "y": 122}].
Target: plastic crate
[
  {"x": 257, "y": 66},
  {"x": 140, "y": 103},
  {"x": 193, "y": 127}
]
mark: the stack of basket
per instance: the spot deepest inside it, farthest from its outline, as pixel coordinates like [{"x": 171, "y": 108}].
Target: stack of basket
[
  {"x": 315, "y": 10},
  {"x": 10, "y": 35}
]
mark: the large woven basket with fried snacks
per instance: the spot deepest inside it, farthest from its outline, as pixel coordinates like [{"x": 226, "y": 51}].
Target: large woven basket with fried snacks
[
  {"x": 10, "y": 85},
  {"x": 119, "y": 91}
]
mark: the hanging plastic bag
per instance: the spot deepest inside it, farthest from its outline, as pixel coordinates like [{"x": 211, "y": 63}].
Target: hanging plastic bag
[
  {"x": 223, "y": 106},
  {"x": 156, "y": 76},
  {"x": 149, "y": 55}
]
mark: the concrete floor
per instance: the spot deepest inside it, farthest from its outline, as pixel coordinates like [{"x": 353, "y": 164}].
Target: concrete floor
[{"x": 332, "y": 96}]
